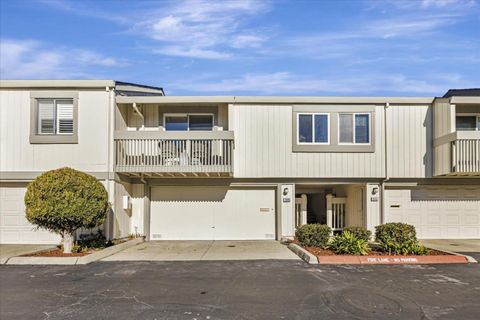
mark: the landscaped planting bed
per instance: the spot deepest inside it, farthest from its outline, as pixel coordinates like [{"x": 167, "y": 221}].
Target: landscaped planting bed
[{"x": 396, "y": 243}]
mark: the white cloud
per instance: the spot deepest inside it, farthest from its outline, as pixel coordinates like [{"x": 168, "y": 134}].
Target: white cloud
[
  {"x": 285, "y": 83},
  {"x": 203, "y": 29},
  {"x": 30, "y": 59},
  {"x": 445, "y": 3}
]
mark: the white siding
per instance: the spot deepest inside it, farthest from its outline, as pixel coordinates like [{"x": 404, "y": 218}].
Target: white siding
[
  {"x": 409, "y": 141},
  {"x": 263, "y": 148},
  {"x": 444, "y": 118},
  {"x": 89, "y": 154}
]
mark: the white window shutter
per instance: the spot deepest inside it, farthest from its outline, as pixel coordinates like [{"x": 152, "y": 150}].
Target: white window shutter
[
  {"x": 46, "y": 117},
  {"x": 64, "y": 117}
]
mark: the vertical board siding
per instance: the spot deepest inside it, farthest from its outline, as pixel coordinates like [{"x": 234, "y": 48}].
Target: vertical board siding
[
  {"x": 263, "y": 148},
  {"x": 409, "y": 141},
  {"x": 18, "y": 154}
]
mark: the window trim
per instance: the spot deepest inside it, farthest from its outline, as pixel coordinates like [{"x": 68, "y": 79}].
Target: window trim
[
  {"x": 477, "y": 115},
  {"x": 333, "y": 110},
  {"x": 38, "y": 138},
  {"x": 354, "y": 133},
  {"x": 313, "y": 114},
  {"x": 165, "y": 115}
]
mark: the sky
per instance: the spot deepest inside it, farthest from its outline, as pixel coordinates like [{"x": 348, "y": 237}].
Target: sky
[{"x": 248, "y": 47}]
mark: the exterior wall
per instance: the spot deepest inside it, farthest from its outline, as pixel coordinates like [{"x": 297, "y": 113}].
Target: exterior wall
[
  {"x": 409, "y": 141},
  {"x": 263, "y": 148},
  {"x": 443, "y": 118},
  {"x": 89, "y": 154}
]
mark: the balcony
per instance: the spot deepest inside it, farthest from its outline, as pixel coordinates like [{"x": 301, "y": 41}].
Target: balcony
[
  {"x": 174, "y": 154},
  {"x": 457, "y": 154}
]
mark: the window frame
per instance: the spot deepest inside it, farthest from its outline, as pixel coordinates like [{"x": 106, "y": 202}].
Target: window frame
[
  {"x": 476, "y": 115},
  {"x": 313, "y": 114},
  {"x": 354, "y": 114},
  {"x": 47, "y": 138},
  {"x": 165, "y": 115}
]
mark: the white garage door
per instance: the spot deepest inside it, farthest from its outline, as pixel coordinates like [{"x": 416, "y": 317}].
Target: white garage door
[
  {"x": 14, "y": 227},
  {"x": 212, "y": 213},
  {"x": 437, "y": 213}
]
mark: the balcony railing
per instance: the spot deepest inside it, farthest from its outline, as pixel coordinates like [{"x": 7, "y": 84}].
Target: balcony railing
[
  {"x": 154, "y": 153},
  {"x": 457, "y": 154},
  {"x": 465, "y": 156}
]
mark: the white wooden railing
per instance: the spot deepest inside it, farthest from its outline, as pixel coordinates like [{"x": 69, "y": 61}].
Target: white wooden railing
[
  {"x": 336, "y": 212},
  {"x": 465, "y": 156},
  {"x": 173, "y": 153}
]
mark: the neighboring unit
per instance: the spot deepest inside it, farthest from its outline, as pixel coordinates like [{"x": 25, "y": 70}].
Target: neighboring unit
[{"x": 241, "y": 168}]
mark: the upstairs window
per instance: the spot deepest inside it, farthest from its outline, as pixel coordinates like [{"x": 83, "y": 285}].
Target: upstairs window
[
  {"x": 55, "y": 117},
  {"x": 313, "y": 128},
  {"x": 468, "y": 122},
  {"x": 354, "y": 128},
  {"x": 188, "y": 122}
]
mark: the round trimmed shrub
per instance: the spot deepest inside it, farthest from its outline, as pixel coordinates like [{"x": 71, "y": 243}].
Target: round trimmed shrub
[
  {"x": 359, "y": 232},
  {"x": 398, "y": 238},
  {"x": 315, "y": 235},
  {"x": 64, "y": 200}
]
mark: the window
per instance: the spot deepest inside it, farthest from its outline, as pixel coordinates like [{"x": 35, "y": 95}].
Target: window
[
  {"x": 468, "y": 122},
  {"x": 354, "y": 128},
  {"x": 188, "y": 122},
  {"x": 55, "y": 117},
  {"x": 313, "y": 128}
]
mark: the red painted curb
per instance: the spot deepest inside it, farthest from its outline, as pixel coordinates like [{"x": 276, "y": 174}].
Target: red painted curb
[{"x": 446, "y": 259}]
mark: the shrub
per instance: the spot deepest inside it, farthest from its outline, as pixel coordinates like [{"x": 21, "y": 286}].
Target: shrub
[
  {"x": 348, "y": 243},
  {"x": 316, "y": 235},
  {"x": 398, "y": 238},
  {"x": 359, "y": 232},
  {"x": 65, "y": 200}
]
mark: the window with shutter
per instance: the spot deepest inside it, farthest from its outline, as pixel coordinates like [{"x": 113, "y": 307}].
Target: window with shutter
[
  {"x": 64, "y": 117},
  {"x": 55, "y": 117}
]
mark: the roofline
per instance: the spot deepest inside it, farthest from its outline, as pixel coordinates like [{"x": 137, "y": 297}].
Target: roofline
[
  {"x": 138, "y": 85},
  {"x": 272, "y": 100},
  {"x": 464, "y": 100},
  {"x": 56, "y": 83}
]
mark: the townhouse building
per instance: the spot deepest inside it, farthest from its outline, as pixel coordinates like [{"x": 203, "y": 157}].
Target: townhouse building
[{"x": 244, "y": 168}]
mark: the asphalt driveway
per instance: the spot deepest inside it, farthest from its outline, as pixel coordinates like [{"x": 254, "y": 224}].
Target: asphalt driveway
[
  {"x": 274, "y": 289},
  {"x": 205, "y": 251}
]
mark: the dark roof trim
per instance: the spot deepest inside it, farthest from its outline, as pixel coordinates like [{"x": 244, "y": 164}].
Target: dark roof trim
[{"x": 473, "y": 92}]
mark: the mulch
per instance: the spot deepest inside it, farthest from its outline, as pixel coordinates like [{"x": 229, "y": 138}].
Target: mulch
[{"x": 58, "y": 253}]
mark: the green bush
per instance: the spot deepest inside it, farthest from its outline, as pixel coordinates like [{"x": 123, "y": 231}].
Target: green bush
[
  {"x": 65, "y": 200},
  {"x": 348, "y": 243},
  {"x": 359, "y": 232},
  {"x": 316, "y": 235},
  {"x": 398, "y": 238}
]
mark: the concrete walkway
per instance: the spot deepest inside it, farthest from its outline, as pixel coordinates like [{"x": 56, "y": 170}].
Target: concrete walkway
[
  {"x": 460, "y": 246},
  {"x": 12, "y": 250},
  {"x": 205, "y": 250}
]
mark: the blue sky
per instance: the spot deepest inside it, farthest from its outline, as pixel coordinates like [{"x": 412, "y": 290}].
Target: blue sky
[{"x": 341, "y": 48}]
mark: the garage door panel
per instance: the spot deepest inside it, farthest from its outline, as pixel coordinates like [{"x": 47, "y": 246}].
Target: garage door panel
[
  {"x": 14, "y": 227},
  {"x": 444, "y": 212},
  {"x": 206, "y": 213}
]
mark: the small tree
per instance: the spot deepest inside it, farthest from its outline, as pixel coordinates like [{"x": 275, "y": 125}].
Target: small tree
[{"x": 64, "y": 200}]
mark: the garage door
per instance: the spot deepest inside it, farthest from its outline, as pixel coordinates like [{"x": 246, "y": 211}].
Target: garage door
[
  {"x": 437, "y": 213},
  {"x": 14, "y": 227},
  {"x": 212, "y": 213}
]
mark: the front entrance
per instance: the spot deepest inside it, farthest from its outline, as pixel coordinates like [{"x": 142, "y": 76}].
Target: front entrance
[
  {"x": 212, "y": 213},
  {"x": 338, "y": 206}
]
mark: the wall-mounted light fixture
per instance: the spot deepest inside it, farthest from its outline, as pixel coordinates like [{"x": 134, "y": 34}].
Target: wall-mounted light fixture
[
  {"x": 285, "y": 191},
  {"x": 374, "y": 191}
]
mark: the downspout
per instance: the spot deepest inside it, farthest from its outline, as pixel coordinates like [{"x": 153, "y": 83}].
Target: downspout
[
  {"x": 382, "y": 184},
  {"x": 111, "y": 108},
  {"x": 146, "y": 208},
  {"x": 140, "y": 114}
]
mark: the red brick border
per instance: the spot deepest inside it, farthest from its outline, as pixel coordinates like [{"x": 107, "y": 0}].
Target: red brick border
[{"x": 440, "y": 259}]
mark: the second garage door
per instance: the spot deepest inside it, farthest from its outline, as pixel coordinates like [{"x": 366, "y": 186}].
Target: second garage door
[
  {"x": 212, "y": 213},
  {"x": 437, "y": 212}
]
